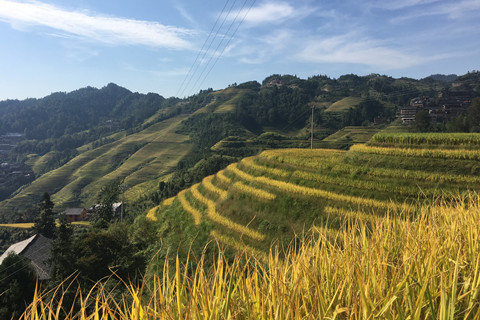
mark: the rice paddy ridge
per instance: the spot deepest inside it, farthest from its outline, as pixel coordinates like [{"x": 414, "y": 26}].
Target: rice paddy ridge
[
  {"x": 151, "y": 215},
  {"x": 315, "y": 192},
  {"x": 216, "y": 217},
  {"x": 457, "y": 139},
  {"x": 196, "y": 214},
  {"x": 221, "y": 176},
  {"x": 345, "y": 170},
  {"x": 334, "y": 165}
]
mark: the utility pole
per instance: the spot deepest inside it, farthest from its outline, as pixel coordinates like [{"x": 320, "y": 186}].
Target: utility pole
[
  {"x": 122, "y": 211},
  {"x": 311, "y": 131}
]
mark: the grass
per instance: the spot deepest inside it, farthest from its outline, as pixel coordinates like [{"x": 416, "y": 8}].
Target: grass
[
  {"x": 383, "y": 243},
  {"x": 360, "y": 271}
]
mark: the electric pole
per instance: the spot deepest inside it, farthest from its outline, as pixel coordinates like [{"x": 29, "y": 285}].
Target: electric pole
[
  {"x": 311, "y": 131},
  {"x": 122, "y": 211}
]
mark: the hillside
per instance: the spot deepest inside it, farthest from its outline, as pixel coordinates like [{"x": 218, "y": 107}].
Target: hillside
[
  {"x": 138, "y": 158},
  {"x": 279, "y": 193}
]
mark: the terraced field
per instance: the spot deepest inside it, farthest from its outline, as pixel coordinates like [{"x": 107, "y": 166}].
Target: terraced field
[
  {"x": 344, "y": 104},
  {"x": 279, "y": 193},
  {"x": 352, "y": 134},
  {"x": 146, "y": 156}
]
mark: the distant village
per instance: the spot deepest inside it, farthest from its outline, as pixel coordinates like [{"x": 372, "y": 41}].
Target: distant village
[
  {"x": 448, "y": 105},
  {"x": 12, "y": 175}
]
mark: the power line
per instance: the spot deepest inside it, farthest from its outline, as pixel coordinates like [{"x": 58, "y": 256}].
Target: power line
[
  {"x": 192, "y": 75},
  {"x": 230, "y": 39},
  {"x": 203, "y": 46},
  {"x": 218, "y": 47}
]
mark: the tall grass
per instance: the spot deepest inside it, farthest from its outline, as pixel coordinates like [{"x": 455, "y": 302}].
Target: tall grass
[{"x": 424, "y": 268}]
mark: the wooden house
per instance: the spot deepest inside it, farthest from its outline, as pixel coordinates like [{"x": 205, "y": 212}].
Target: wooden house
[{"x": 76, "y": 214}]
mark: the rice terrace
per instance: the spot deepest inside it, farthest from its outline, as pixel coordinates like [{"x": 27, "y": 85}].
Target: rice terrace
[{"x": 358, "y": 209}]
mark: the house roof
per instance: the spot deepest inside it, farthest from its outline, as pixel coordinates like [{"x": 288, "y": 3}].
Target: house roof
[
  {"x": 37, "y": 250},
  {"x": 74, "y": 211}
]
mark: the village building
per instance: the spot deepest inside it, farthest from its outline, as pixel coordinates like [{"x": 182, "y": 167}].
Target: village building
[
  {"x": 450, "y": 105},
  {"x": 36, "y": 249},
  {"x": 76, "y": 214}
]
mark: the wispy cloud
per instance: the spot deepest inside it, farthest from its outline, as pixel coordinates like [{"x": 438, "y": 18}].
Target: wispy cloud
[
  {"x": 185, "y": 14},
  {"x": 422, "y": 8},
  {"x": 93, "y": 27},
  {"x": 270, "y": 12},
  {"x": 352, "y": 49},
  {"x": 399, "y": 4}
]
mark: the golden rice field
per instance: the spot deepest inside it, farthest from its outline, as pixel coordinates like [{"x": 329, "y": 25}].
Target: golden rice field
[{"x": 391, "y": 268}]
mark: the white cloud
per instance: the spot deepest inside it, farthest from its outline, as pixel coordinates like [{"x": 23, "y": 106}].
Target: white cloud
[
  {"x": 270, "y": 12},
  {"x": 356, "y": 50},
  {"x": 94, "y": 27}
]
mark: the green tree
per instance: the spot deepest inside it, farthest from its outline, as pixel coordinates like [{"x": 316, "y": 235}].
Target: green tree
[
  {"x": 422, "y": 121},
  {"x": 102, "y": 251},
  {"x": 62, "y": 254},
  {"x": 108, "y": 195},
  {"x": 45, "y": 222},
  {"x": 17, "y": 284}
]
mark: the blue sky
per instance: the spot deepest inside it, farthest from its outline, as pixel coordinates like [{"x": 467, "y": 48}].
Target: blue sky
[{"x": 151, "y": 46}]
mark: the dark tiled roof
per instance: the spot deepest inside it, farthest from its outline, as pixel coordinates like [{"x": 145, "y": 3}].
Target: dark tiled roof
[
  {"x": 74, "y": 211},
  {"x": 37, "y": 250}
]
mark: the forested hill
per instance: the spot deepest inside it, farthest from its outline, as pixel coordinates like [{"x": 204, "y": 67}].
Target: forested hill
[{"x": 62, "y": 113}]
